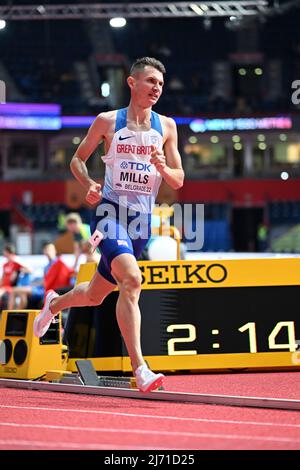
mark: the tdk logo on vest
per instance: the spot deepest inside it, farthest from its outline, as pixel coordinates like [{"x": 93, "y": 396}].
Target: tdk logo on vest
[{"x": 137, "y": 166}]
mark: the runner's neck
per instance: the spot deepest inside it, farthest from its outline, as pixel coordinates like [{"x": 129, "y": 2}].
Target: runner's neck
[{"x": 138, "y": 116}]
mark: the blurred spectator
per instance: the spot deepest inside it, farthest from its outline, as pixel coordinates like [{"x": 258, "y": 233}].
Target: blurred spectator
[
  {"x": 74, "y": 225},
  {"x": 262, "y": 237},
  {"x": 14, "y": 271},
  {"x": 79, "y": 230},
  {"x": 160, "y": 227},
  {"x": 57, "y": 276},
  {"x": 61, "y": 221}
]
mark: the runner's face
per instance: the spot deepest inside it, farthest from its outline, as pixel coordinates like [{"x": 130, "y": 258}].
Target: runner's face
[{"x": 148, "y": 86}]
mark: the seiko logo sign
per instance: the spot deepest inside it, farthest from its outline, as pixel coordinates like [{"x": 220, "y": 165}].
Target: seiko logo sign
[{"x": 185, "y": 274}]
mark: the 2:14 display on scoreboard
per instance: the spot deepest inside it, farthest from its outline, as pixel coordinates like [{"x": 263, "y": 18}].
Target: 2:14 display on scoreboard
[{"x": 249, "y": 332}]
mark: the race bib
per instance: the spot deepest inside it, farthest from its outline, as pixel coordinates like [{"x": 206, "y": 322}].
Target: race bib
[
  {"x": 133, "y": 176},
  {"x": 95, "y": 239}
]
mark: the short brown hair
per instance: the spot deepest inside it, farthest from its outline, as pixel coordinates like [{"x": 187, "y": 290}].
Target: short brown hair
[
  {"x": 10, "y": 248},
  {"x": 141, "y": 63}
]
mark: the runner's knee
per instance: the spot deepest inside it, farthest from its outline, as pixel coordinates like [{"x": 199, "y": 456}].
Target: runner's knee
[{"x": 131, "y": 283}]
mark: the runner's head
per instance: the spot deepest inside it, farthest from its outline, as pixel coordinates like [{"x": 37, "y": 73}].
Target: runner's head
[{"x": 146, "y": 81}]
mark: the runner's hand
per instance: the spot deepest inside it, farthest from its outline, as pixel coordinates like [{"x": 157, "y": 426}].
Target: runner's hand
[
  {"x": 94, "y": 194},
  {"x": 158, "y": 159}
]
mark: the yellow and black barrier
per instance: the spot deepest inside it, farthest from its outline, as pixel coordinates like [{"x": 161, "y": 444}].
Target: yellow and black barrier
[
  {"x": 196, "y": 316},
  {"x": 24, "y": 355},
  {"x": 199, "y": 315}
]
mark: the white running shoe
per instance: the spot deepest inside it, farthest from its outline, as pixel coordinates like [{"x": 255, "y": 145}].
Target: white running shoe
[
  {"x": 146, "y": 380},
  {"x": 44, "y": 319}
]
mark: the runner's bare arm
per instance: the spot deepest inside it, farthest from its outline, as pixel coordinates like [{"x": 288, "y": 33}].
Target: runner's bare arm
[
  {"x": 94, "y": 136},
  {"x": 169, "y": 164},
  {"x": 78, "y": 166}
]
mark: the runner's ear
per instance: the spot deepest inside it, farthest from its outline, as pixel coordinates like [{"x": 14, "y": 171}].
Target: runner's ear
[{"x": 131, "y": 81}]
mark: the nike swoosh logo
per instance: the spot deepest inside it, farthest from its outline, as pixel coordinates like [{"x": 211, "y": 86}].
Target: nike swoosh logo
[{"x": 124, "y": 138}]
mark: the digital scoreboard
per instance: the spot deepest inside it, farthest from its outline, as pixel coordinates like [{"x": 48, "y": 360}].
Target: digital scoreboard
[{"x": 199, "y": 315}]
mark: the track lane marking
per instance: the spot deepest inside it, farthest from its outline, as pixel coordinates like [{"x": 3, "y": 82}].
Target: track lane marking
[
  {"x": 194, "y": 435},
  {"x": 134, "y": 415},
  {"x": 75, "y": 445}
]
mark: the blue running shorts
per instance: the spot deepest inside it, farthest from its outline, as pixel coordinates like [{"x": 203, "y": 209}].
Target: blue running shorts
[{"x": 124, "y": 231}]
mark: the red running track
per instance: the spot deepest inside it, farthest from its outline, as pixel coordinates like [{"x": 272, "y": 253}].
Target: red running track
[{"x": 46, "y": 420}]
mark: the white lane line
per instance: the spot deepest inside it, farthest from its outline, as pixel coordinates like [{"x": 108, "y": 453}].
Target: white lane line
[
  {"x": 154, "y": 432},
  {"x": 75, "y": 445},
  {"x": 143, "y": 416}
]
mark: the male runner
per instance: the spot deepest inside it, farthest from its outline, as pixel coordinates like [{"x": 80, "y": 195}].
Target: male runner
[{"x": 141, "y": 150}]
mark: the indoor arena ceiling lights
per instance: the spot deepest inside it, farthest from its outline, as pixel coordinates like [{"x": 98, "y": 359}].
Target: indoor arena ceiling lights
[{"x": 134, "y": 10}]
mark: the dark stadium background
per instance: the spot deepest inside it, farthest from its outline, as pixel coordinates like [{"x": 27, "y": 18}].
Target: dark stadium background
[{"x": 218, "y": 67}]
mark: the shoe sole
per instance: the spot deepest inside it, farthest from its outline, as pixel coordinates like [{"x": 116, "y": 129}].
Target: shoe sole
[
  {"x": 42, "y": 333},
  {"x": 35, "y": 328},
  {"x": 154, "y": 385},
  {"x": 35, "y": 332}
]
